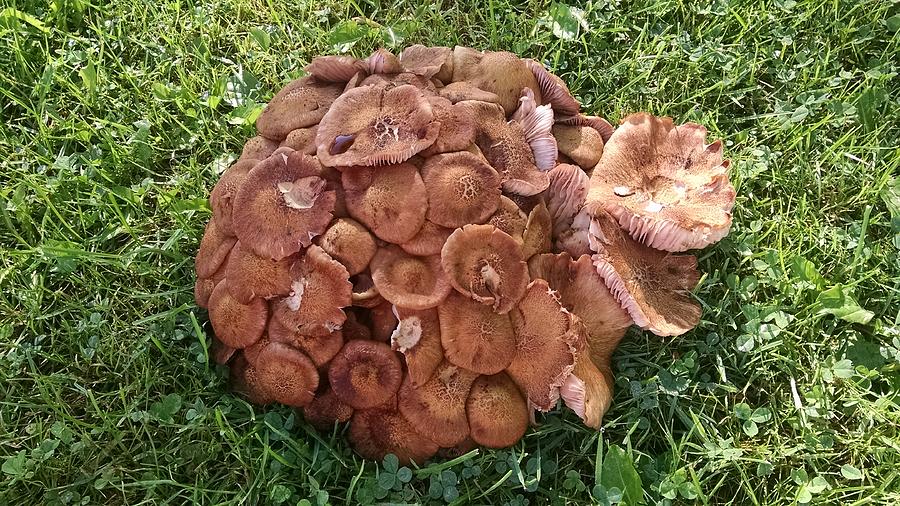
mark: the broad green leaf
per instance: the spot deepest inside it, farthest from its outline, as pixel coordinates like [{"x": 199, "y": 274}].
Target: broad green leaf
[
  {"x": 891, "y": 197},
  {"x": 566, "y": 21},
  {"x": 850, "y": 472},
  {"x": 280, "y": 494},
  {"x": 261, "y": 37},
  {"x": 742, "y": 411},
  {"x": 88, "y": 76},
  {"x": 837, "y": 301},
  {"x": 750, "y": 428},
  {"x": 806, "y": 271},
  {"x": 391, "y": 463},
  {"x": 9, "y": 13},
  {"x": 167, "y": 407},
  {"x": 15, "y": 465},
  {"x": 345, "y": 35},
  {"x": 619, "y": 472}
]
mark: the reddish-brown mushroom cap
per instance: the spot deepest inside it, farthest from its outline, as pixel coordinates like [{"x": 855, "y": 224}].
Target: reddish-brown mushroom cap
[
  {"x": 320, "y": 288},
  {"x": 333, "y": 68},
  {"x": 474, "y": 336},
  {"x": 509, "y": 218},
  {"x": 538, "y": 232},
  {"x": 565, "y": 197},
  {"x": 221, "y": 199},
  {"x": 457, "y": 127},
  {"x": 325, "y": 410},
  {"x": 653, "y": 286},
  {"x": 418, "y": 337},
  {"x": 463, "y": 91},
  {"x": 588, "y": 390},
  {"x": 286, "y": 374},
  {"x": 582, "y": 144},
  {"x": 375, "y": 433},
  {"x": 462, "y": 189},
  {"x": 409, "y": 281},
  {"x": 251, "y": 275},
  {"x": 428, "y": 61},
  {"x": 302, "y": 140},
  {"x": 390, "y": 201},
  {"x": 428, "y": 240},
  {"x": 497, "y": 413},
  {"x": 485, "y": 264},
  {"x": 437, "y": 409},
  {"x": 282, "y": 205},
  {"x": 383, "y": 321},
  {"x": 597, "y": 123},
  {"x": 258, "y": 148},
  {"x": 214, "y": 249},
  {"x": 498, "y": 72},
  {"x": 348, "y": 242},
  {"x": 300, "y": 104},
  {"x": 221, "y": 352},
  {"x": 365, "y": 374},
  {"x": 553, "y": 90},
  {"x": 235, "y": 324},
  {"x": 320, "y": 348},
  {"x": 376, "y": 125},
  {"x": 404, "y": 78},
  {"x": 244, "y": 379},
  {"x": 365, "y": 294}
]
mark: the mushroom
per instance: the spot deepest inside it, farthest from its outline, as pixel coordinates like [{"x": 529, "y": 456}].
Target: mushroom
[
  {"x": 496, "y": 410},
  {"x": 565, "y": 197},
  {"x": 376, "y": 125},
  {"x": 348, "y": 242},
  {"x": 365, "y": 294},
  {"x": 498, "y": 72},
  {"x": 428, "y": 62},
  {"x": 457, "y": 127},
  {"x": 320, "y": 288},
  {"x": 365, "y": 374},
  {"x": 221, "y": 199},
  {"x": 214, "y": 249},
  {"x": 326, "y": 409},
  {"x": 204, "y": 286},
  {"x": 300, "y": 104},
  {"x": 375, "y": 433},
  {"x": 418, "y": 337},
  {"x": 384, "y": 321},
  {"x": 597, "y": 123},
  {"x": 334, "y": 69},
  {"x": 538, "y": 231},
  {"x": 588, "y": 390},
  {"x": 286, "y": 374},
  {"x": 252, "y": 276},
  {"x": 428, "y": 240},
  {"x": 302, "y": 140},
  {"x": 485, "y": 264},
  {"x": 320, "y": 348},
  {"x": 509, "y": 219},
  {"x": 244, "y": 379},
  {"x": 393, "y": 80},
  {"x": 382, "y": 61},
  {"x": 462, "y": 189},
  {"x": 389, "y": 200},
  {"x": 582, "y": 144},
  {"x": 663, "y": 184},
  {"x": 474, "y": 337},
  {"x": 221, "y": 352},
  {"x": 461, "y": 91},
  {"x": 237, "y": 325},
  {"x": 437, "y": 409},
  {"x": 258, "y": 148},
  {"x": 537, "y": 122},
  {"x": 409, "y": 281},
  {"x": 553, "y": 90}
]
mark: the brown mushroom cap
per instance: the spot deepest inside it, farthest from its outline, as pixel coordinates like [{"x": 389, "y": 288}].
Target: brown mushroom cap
[
  {"x": 204, "y": 286},
  {"x": 588, "y": 390},
  {"x": 221, "y": 198},
  {"x": 393, "y": 80},
  {"x": 325, "y": 410},
  {"x": 497, "y": 413},
  {"x": 437, "y": 409},
  {"x": 546, "y": 344},
  {"x": 320, "y": 288},
  {"x": 221, "y": 352},
  {"x": 348, "y": 242},
  {"x": 462, "y": 189},
  {"x": 553, "y": 90},
  {"x": 428, "y": 240},
  {"x": 664, "y": 184},
  {"x": 365, "y": 294},
  {"x": 335, "y": 69},
  {"x": 582, "y": 144},
  {"x": 538, "y": 232},
  {"x": 565, "y": 197},
  {"x": 486, "y": 264},
  {"x": 428, "y": 62},
  {"x": 365, "y": 374},
  {"x": 235, "y": 324},
  {"x": 286, "y": 374},
  {"x": 498, "y": 72},
  {"x": 302, "y": 140},
  {"x": 376, "y": 125},
  {"x": 510, "y": 219},
  {"x": 376, "y": 432},
  {"x": 462, "y": 91},
  {"x": 597, "y": 123},
  {"x": 300, "y": 104},
  {"x": 653, "y": 286},
  {"x": 409, "y": 281},
  {"x": 383, "y": 321},
  {"x": 457, "y": 127},
  {"x": 258, "y": 148},
  {"x": 254, "y": 276},
  {"x": 418, "y": 337},
  {"x": 474, "y": 336},
  {"x": 282, "y": 205},
  {"x": 244, "y": 379},
  {"x": 389, "y": 200},
  {"x": 320, "y": 348},
  {"x": 214, "y": 249}
]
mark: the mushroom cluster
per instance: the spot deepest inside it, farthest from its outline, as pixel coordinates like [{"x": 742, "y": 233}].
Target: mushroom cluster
[{"x": 435, "y": 246}]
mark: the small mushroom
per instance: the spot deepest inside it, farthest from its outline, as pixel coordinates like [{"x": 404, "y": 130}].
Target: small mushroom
[
  {"x": 428, "y": 240},
  {"x": 553, "y": 90},
  {"x": 300, "y": 104},
  {"x": 365, "y": 374},
  {"x": 221, "y": 352},
  {"x": 286, "y": 374},
  {"x": 597, "y": 123},
  {"x": 538, "y": 231},
  {"x": 382, "y": 61},
  {"x": 302, "y": 140},
  {"x": 437, "y": 409},
  {"x": 428, "y": 62},
  {"x": 418, "y": 337},
  {"x": 474, "y": 337},
  {"x": 375, "y": 433},
  {"x": 320, "y": 348},
  {"x": 497, "y": 413},
  {"x": 565, "y": 197},
  {"x": 258, "y": 148},
  {"x": 320, "y": 288},
  {"x": 462, "y": 91},
  {"x": 457, "y": 127},
  {"x": 588, "y": 391},
  {"x": 462, "y": 189},
  {"x": 348, "y": 242},
  {"x": 334, "y": 69},
  {"x": 325, "y": 410},
  {"x": 204, "y": 286},
  {"x": 365, "y": 294},
  {"x": 582, "y": 144},
  {"x": 214, "y": 249},
  {"x": 252, "y": 276},
  {"x": 390, "y": 200},
  {"x": 237, "y": 325},
  {"x": 409, "y": 281},
  {"x": 221, "y": 199},
  {"x": 244, "y": 379}
]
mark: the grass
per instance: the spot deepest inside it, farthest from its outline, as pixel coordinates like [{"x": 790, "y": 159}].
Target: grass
[{"x": 117, "y": 117}]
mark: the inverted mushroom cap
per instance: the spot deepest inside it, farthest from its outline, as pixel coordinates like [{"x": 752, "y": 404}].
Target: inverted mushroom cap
[
  {"x": 221, "y": 199},
  {"x": 365, "y": 374},
  {"x": 382, "y": 61},
  {"x": 457, "y": 127},
  {"x": 497, "y": 413},
  {"x": 418, "y": 337},
  {"x": 389, "y": 200},
  {"x": 325, "y": 410},
  {"x": 282, "y": 205},
  {"x": 320, "y": 348},
  {"x": 652, "y": 285},
  {"x": 409, "y": 281},
  {"x": 336, "y": 69},
  {"x": 428, "y": 240},
  {"x": 588, "y": 391},
  {"x": 474, "y": 337},
  {"x": 214, "y": 249},
  {"x": 462, "y": 189},
  {"x": 302, "y": 140},
  {"x": 437, "y": 409},
  {"x": 376, "y": 432},
  {"x": 349, "y": 243},
  {"x": 376, "y": 125},
  {"x": 582, "y": 144},
  {"x": 286, "y": 374},
  {"x": 254, "y": 276},
  {"x": 486, "y": 265},
  {"x": 664, "y": 185},
  {"x": 258, "y": 148},
  {"x": 553, "y": 90},
  {"x": 537, "y": 122},
  {"x": 510, "y": 219},
  {"x": 546, "y": 345},
  {"x": 300, "y": 104},
  {"x": 538, "y": 232},
  {"x": 565, "y": 197},
  {"x": 428, "y": 61},
  {"x": 235, "y": 324},
  {"x": 320, "y": 288}
]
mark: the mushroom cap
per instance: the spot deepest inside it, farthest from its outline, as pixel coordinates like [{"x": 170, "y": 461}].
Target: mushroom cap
[
  {"x": 204, "y": 286},
  {"x": 333, "y": 68},
  {"x": 663, "y": 184},
  {"x": 428, "y": 62},
  {"x": 409, "y": 281},
  {"x": 462, "y": 91},
  {"x": 596, "y": 122},
  {"x": 244, "y": 379},
  {"x": 485, "y": 264},
  {"x": 457, "y": 127},
  {"x": 221, "y": 352},
  {"x": 546, "y": 345},
  {"x": 582, "y": 144},
  {"x": 300, "y": 104},
  {"x": 319, "y": 348},
  {"x": 383, "y": 321},
  {"x": 565, "y": 196},
  {"x": 392, "y": 80},
  {"x": 221, "y": 198},
  {"x": 437, "y": 409},
  {"x": 428, "y": 240},
  {"x": 538, "y": 231},
  {"x": 376, "y": 432},
  {"x": 355, "y": 328},
  {"x": 326, "y": 409},
  {"x": 376, "y": 125},
  {"x": 390, "y": 200},
  {"x": 236, "y": 325},
  {"x": 509, "y": 218},
  {"x": 418, "y": 337},
  {"x": 365, "y": 374},
  {"x": 320, "y": 288},
  {"x": 497, "y": 413},
  {"x": 553, "y": 89},
  {"x": 254, "y": 276},
  {"x": 348, "y": 242},
  {"x": 382, "y": 61},
  {"x": 302, "y": 140},
  {"x": 282, "y": 205},
  {"x": 588, "y": 390},
  {"x": 475, "y": 337},
  {"x": 365, "y": 294},
  {"x": 286, "y": 374},
  {"x": 537, "y": 122},
  {"x": 653, "y": 286},
  {"x": 498, "y": 72},
  {"x": 258, "y": 148},
  {"x": 214, "y": 249},
  {"x": 462, "y": 188}
]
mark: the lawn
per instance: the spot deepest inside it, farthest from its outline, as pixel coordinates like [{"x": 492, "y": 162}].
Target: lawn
[{"x": 116, "y": 118}]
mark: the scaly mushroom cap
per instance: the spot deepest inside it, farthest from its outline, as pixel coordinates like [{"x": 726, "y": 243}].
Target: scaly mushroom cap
[
  {"x": 389, "y": 200},
  {"x": 244, "y": 379},
  {"x": 409, "y": 281},
  {"x": 428, "y": 240},
  {"x": 320, "y": 288},
  {"x": 204, "y": 286},
  {"x": 365, "y": 374},
  {"x": 320, "y": 348},
  {"x": 418, "y": 337},
  {"x": 546, "y": 345},
  {"x": 334, "y": 69},
  {"x": 582, "y": 144},
  {"x": 597, "y": 123},
  {"x": 258, "y": 148},
  {"x": 509, "y": 218},
  {"x": 437, "y": 409},
  {"x": 553, "y": 90},
  {"x": 538, "y": 231},
  {"x": 462, "y": 189},
  {"x": 214, "y": 248},
  {"x": 428, "y": 62},
  {"x": 565, "y": 197},
  {"x": 498, "y": 72},
  {"x": 325, "y": 410},
  {"x": 457, "y": 127},
  {"x": 221, "y": 198},
  {"x": 282, "y": 205},
  {"x": 302, "y": 140},
  {"x": 653, "y": 286},
  {"x": 664, "y": 185},
  {"x": 254, "y": 276},
  {"x": 588, "y": 391},
  {"x": 375, "y": 433},
  {"x": 286, "y": 374},
  {"x": 376, "y": 125},
  {"x": 300, "y": 104},
  {"x": 497, "y": 413},
  {"x": 485, "y": 264},
  {"x": 235, "y": 324},
  {"x": 474, "y": 337},
  {"x": 348, "y": 242}
]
